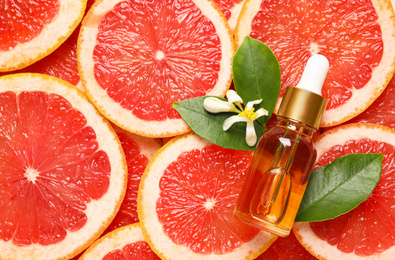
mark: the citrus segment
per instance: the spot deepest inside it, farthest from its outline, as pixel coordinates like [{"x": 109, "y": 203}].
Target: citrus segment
[
  {"x": 33, "y": 29},
  {"x": 135, "y": 59},
  {"x": 62, "y": 169},
  {"x": 186, "y": 199},
  {"x": 286, "y": 248},
  {"x": 357, "y": 37},
  {"x": 368, "y": 230},
  {"x": 61, "y": 63},
  {"x": 382, "y": 110},
  {"x": 231, "y": 10},
  {"x": 15, "y": 24},
  {"x": 123, "y": 243},
  {"x": 138, "y": 151}
]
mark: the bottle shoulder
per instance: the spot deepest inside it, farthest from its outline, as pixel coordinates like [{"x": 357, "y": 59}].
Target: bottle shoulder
[{"x": 281, "y": 133}]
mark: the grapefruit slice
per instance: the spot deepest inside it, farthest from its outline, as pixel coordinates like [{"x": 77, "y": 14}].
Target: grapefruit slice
[
  {"x": 123, "y": 243},
  {"x": 382, "y": 110},
  {"x": 138, "y": 151},
  {"x": 367, "y": 232},
  {"x": 231, "y": 10},
  {"x": 32, "y": 29},
  {"x": 286, "y": 248},
  {"x": 135, "y": 59},
  {"x": 61, "y": 63},
  {"x": 186, "y": 200},
  {"x": 357, "y": 37},
  {"x": 62, "y": 170}
]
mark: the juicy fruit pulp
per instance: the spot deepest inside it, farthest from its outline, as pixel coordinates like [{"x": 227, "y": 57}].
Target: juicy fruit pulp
[
  {"x": 382, "y": 110},
  {"x": 186, "y": 200},
  {"x": 197, "y": 199},
  {"x": 352, "y": 43},
  {"x": 137, "y": 162},
  {"x": 62, "y": 63},
  {"x": 226, "y": 6},
  {"x": 22, "y": 21},
  {"x": 123, "y": 243},
  {"x": 147, "y": 63},
  {"x": 285, "y": 249},
  {"x": 51, "y": 167},
  {"x": 136, "y": 250},
  {"x": 368, "y": 229}
]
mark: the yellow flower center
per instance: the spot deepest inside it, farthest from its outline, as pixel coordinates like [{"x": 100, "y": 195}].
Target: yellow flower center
[{"x": 250, "y": 114}]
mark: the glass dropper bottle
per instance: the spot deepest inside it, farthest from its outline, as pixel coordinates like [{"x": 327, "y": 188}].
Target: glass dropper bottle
[{"x": 284, "y": 157}]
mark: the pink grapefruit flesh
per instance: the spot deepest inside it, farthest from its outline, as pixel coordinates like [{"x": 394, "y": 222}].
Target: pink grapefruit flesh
[
  {"x": 186, "y": 200},
  {"x": 285, "y": 248},
  {"x": 137, "y": 250},
  {"x": 32, "y": 29},
  {"x": 138, "y": 151},
  {"x": 205, "y": 191},
  {"x": 368, "y": 230},
  {"x": 382, "y": 110},
  {"x": 357, "y": 37},
  {"x": 125, "y": 243},
  {"x": 19, "y": 26},
  {"x": 136, "y": 59},
  {"x": 161, "y": 56},
  {"x": 56, "y": 168}
]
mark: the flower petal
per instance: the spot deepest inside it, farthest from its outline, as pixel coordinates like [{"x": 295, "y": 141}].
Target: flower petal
[
  {"x": 261, "y": 112},
  {"x": 231, "y": 120},
  {"x": 215, "y": 105},
  {"x": 232, "y": 97},
  {"x": 252, "y": 103},
  {"x": 251, "y": 137}
]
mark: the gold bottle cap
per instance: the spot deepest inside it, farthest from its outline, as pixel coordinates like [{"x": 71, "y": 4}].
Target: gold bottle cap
[
  {"x": 303, "y": 105},
  {"x": 304, "y": 102}
]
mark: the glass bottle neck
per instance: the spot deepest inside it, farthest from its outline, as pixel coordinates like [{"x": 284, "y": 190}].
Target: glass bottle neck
[{"x": 296, "y": 126}]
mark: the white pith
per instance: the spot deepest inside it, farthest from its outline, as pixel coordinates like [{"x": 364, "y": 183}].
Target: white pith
[
  {"x": 160, "y": 55},
  {"x": 51, "y": 37},
  {"x": 31, "y": 174},
  {"x": 209, "y": 204},
  {"x": 235, "y": 11},
  {"x": 116, "y": 239}
]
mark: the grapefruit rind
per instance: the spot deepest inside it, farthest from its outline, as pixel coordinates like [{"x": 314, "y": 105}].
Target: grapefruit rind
[
  {"x": 114, "y": 111},
  {"x": 116, "y": 239},
  {"x": 149, "y": 192},
  {"x": 381, "y": 74},
  {"x": 99, "y": 212},
  {"x": 51, "y": 37},
  {"x": 339, "y": 136},
  {"x": 148, "y": 146},
  {"x": 235, "y": 11}
]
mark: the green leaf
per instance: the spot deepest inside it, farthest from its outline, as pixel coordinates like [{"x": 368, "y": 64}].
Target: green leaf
[
  {"x": 209, "y": 125},
  {"x": 256, "y": 74},
  {"x": 339, "y": 187}
]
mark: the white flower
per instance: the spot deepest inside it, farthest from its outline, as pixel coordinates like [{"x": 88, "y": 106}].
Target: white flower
[{"x": 215, "y": 105}]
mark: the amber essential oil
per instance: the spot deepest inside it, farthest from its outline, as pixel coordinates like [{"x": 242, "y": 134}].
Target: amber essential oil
[
  {"x": 284, "y": 156},
  {"x": 277, "y": 178}
]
